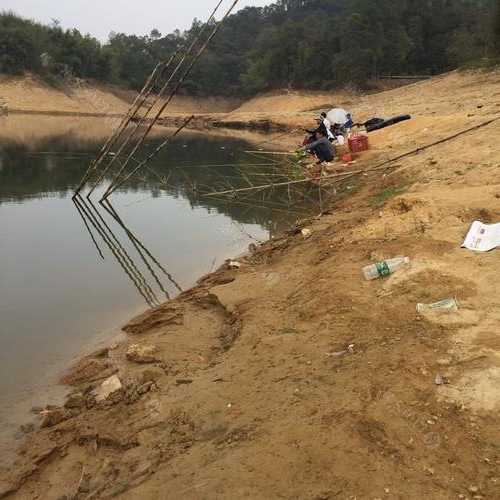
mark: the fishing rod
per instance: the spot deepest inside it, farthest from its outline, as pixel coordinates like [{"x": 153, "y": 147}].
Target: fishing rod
[
  {"x": 131, "y": 113},
  {"x": 150, "y": 84},
  {"x": 186, "y": 73}
]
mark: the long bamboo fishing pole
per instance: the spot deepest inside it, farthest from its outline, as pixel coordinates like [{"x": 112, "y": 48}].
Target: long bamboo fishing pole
[
  {"x": 175, "y": 90},
  {"x": 278, "y": 153},
  {"x": 137, "y": 127},
  {"x": 266, "y": 206},
  {"x": 131, "y": 113},
  {"x": 274, "y": 140},
  {"x": 119, "y": 182},
  {"x": 271, "y": 159},
  {"x": 139, "y": 123},
  {"x": 285, "y": 183},
  {"x": 220, "y": 165},
  {"x": 177, "y": 68},
  {"x": 142, "y": 98},
  {"x": 158, "y": 97},
  {"x": 386, "y": 164}
]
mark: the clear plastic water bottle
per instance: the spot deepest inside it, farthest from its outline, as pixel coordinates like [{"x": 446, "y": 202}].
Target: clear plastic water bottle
[{"x": 385, "y": 268}]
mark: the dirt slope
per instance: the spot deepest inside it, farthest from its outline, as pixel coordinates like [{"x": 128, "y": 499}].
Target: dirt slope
[
  {"x": 457, "y": 96},
  {"x": 290, "y": 101},
  {"x": 30, "y": 95},
  {"x": 293, "y": 377}
]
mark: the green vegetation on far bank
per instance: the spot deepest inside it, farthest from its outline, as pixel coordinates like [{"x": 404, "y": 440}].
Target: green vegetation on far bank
[{"x": 307, "y": 44}]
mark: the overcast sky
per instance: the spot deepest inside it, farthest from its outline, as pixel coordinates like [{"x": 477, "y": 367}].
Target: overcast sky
[{"x": 100, "y": 17}]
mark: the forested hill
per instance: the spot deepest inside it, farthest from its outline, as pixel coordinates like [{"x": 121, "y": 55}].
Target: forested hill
[{"x": 311, "y": 44}]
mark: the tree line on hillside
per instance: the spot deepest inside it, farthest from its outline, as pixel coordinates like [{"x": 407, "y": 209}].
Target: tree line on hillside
[{"x": 309, "y": 44}]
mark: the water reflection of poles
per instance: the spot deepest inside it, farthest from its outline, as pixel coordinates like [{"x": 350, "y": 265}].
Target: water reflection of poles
[
  {"x": 140, "y": 249},
  {"x": 119, "y": 257},
  {"x": 127, "y": 256},
  {"x": 84, "y": 219},
  {"x": 144, "y": 260},
  {"x": 93, "y": 219}
]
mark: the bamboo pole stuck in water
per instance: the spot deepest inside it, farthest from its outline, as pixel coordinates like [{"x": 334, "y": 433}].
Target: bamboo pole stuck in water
[
  {"x": 174, "y": 92},
  {"x": 131, "y": 113},
  {"x": 117, "y": 182},
  {"x": 164, "y": 88},
  {"x": 137, "y": 127},
  {"x": 149, "y": 86}
]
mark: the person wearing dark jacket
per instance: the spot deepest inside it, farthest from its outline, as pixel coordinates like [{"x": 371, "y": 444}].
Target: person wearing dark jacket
[
  {"x": 312, "y": 133},
  {"x": 321, "y": 147},
  {"x": 324, "y": 126}
]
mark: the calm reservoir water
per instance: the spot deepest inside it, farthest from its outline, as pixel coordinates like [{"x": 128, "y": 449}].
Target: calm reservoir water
[{"x": 70, "y": 275}]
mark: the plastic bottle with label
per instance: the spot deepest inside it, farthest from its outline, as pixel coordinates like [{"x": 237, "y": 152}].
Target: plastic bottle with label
[{"x": 385, "y": 268}]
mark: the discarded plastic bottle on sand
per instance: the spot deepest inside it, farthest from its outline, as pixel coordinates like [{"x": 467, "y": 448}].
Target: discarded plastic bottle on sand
[
  {"x": 385, "y": 268},
  {"x": 447, "y": 305}
]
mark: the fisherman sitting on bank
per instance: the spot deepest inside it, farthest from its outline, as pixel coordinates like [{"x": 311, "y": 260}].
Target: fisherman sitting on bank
[
  {"x": 321, "y": 147},
  {"x": 324, "y": 127}
]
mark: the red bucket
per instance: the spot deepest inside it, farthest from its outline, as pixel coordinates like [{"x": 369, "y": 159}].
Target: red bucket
[{"x": 358, "y": 143}]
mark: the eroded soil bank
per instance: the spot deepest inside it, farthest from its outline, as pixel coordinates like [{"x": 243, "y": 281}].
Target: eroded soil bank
[{"x": 292, "y": 377}]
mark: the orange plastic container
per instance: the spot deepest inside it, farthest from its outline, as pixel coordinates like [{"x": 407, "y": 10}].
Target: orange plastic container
[
  {"x": 358, "y": 143},
  {"x": 347, "y": 158}
]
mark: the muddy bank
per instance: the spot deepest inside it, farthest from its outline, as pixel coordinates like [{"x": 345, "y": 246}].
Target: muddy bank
[{"x": 292, "y": 377}]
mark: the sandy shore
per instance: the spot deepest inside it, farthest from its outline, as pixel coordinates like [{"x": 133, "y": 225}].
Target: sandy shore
[{"x": 292, "y": 377}]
